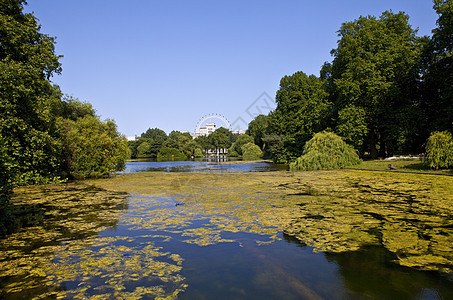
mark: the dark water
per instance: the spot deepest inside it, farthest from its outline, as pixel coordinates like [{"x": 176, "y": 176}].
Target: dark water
[
  {"x": 243, "y": 269},
  {"x": 200, "y": 166},
  {"x": 285, "y": 269}
]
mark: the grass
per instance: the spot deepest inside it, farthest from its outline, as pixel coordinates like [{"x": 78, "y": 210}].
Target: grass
[{"x": 403, "y": 165}]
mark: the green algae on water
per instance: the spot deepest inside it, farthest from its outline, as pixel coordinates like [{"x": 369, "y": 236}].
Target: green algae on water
[
  {"x": 334, "y": 211},
  {"x": 65, "y": 254},
  {"x": 64, "y": 257}
]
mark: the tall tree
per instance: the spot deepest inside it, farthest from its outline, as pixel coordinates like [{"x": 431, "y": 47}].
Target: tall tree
[
  {"x": 27, "y": 97},
  {"x": 220, "y": 139},
  {"x": 438, "y": 92},
  {"x": 258, "y": 128},
  {"x": 302, "y": 110},
  {"x": 155, "y": 137},
  {"x": 374, "y": 65}
]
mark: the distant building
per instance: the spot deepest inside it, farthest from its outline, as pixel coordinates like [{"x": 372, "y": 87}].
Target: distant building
[
  {"x": 132, "y": 138},
  {"x": 239, "y": 131},
  {"x": 206, "y": 130}
]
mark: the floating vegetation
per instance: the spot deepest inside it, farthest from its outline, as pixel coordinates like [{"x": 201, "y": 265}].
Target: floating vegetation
[
  {"x": 333, "y": 211},
  {"x": 410, "y": 215},
  {"x": 65, "y": 257},
  {"x": 74, "y": 251}
]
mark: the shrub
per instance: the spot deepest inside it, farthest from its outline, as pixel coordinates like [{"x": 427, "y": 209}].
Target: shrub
[
  {"x": 93, "y": 148},
  {"x": 167, "y": 154},
  {"x": 240, "y": 141},
  {"x": 198, "y": 152},
  {"x": 326, "y": 151},
  {"x": 439, "y": 150},
  {"x": 250, "y": 151}
]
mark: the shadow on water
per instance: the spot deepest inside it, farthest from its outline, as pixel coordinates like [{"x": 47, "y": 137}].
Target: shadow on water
[
  {"x": 43, "y": 206},
  {"x": 47, "y": 217},
  {"x": 371, "y": 272}
]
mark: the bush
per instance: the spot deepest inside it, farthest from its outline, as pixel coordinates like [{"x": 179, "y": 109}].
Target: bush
[
  {"x": 240, "y": 141},
  {"x": 439, "y": 150},
  {"x": 232, "y": 152},
  {"x": 250, "y": 151},
  {"x": 169, "y": 154},
  {"x": 143, "y": 150},
  {"x": 198, "y": 152},
  {"x": 93, "y": 148},
  {"x": 326, "y": 151}
]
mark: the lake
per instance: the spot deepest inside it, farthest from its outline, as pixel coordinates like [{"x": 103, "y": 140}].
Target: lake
[
  {"x": 201, "y": 166},
  {"x": 203, "y": 232}
]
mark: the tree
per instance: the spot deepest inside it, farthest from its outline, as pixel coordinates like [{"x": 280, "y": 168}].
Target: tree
[
  {"x": 203, "y": 142},
  {"x": 250, "y": 151},
  {"x": 183, "y": 142},
  {"x": 438, "y": 77},
  {"x": 220, "y": 139},
  {"x": 302, "y": 110},
  {"x": 374, "y": 65},
  {"x": 325, "y": 151},
  {"x": 27, "y": 62},
  {"x": 257, "y": 128},
  {"x": 274, "y": 147},
  {"x": 439, "y": 150},
  {"x": 143, "y": 150},
  {"x": 92, "y": 148},
  {"x": 240, "y": 141},
  {"x": 352, "y": 125},
  {"x": 170, "y": 154}
]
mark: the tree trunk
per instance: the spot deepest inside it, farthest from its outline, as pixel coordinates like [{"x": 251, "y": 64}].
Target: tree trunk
[{"x": 373, "y": 142}]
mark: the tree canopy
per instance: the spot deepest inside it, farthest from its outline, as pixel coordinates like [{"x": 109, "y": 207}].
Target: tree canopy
[
  {"x": 44, "y": 136},
  {"x": 385, "y": 90}
]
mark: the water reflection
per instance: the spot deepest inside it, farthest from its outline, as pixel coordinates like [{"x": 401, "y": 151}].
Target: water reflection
[{"x": 371, "y": 272}]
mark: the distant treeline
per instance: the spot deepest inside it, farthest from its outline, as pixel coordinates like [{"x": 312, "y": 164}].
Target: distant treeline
[
  {"x": 386, "y": 90},
  {"x": 155, "y": 144}
]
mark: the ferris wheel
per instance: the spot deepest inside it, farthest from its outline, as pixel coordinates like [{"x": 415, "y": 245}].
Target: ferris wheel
[{"x": 212, "y": 116}]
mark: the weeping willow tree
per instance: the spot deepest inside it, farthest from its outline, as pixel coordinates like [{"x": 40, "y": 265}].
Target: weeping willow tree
[
  {"x": 326, "y": 151},
  {"x": 439, "y": 150}
]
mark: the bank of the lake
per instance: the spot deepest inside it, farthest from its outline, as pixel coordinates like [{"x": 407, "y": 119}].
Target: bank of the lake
[{"x": 244, "y": 235}]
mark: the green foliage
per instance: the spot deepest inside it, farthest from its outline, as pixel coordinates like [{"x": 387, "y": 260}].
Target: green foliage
[
  {"x": 274, "y": 147},
  {"x": 375, "y": 68},
  {"x": 93, "y": 148},
  {"x": 439, "y": 150},
  {"x": 170, "y": 154},
  {"x": 6, "y": 187},
  {"x": 258, "y": 128},
  {"x": 326, "y": 151},
  {"x": 250, "y": 151},
  {"x": 143, "y": 150},
  {"x": 220, "y": 139},
  {"x": 438, "y": 72},
  {"x": 198, "y": 153},
  {"x": 241, "y": 140},
  {"x": 73, "y": 109},
  {"x": 232, "y": 152},
  {"x": 352, "y": 126},
  {"x": 203, "y": 142},
  {"x": 183, "y": 142},
  {"x": 156, "y": 134},
  {"x": 302, "y": 109},
  {"x": 27, "y": 98}
]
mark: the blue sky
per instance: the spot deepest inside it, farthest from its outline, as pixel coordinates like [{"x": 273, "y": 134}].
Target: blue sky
[{"x": 166, "y": 64}]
